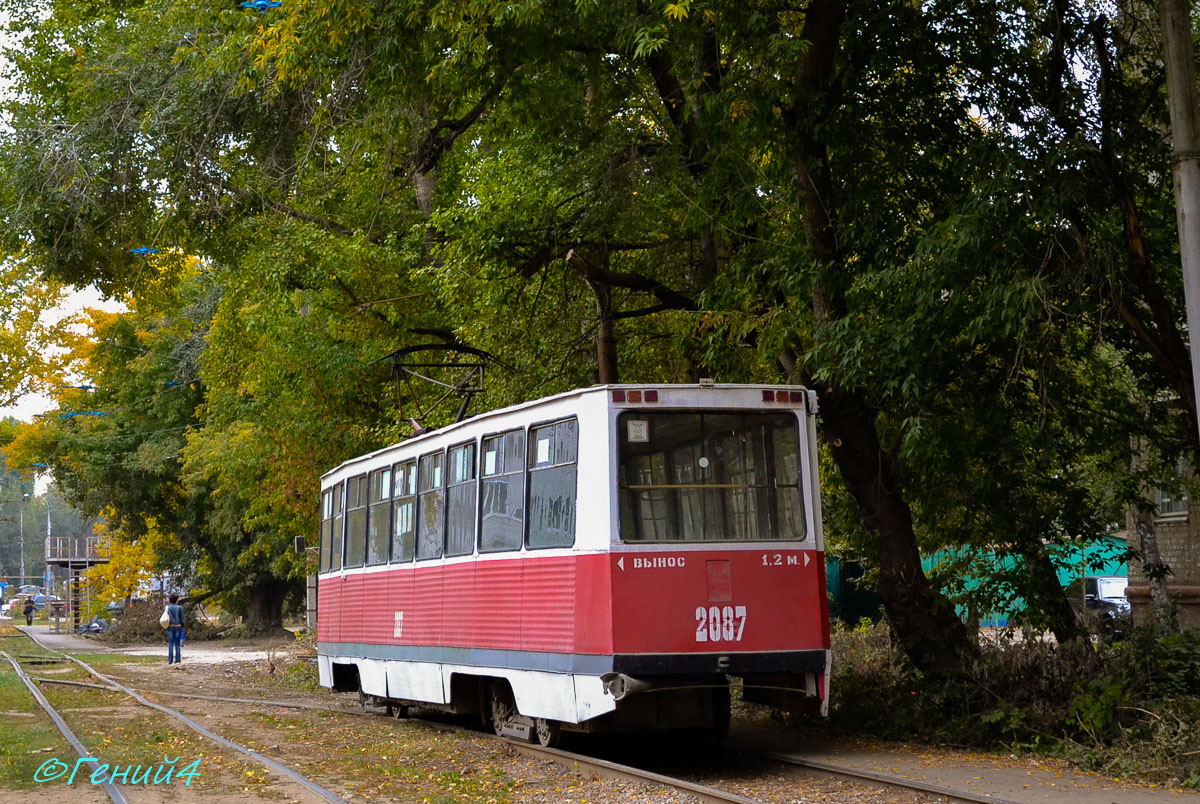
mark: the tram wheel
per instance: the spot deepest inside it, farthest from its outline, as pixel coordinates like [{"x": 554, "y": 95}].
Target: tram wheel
[
  {"x": 548, "y": 732},
  {"x": 502, "y": 707}
]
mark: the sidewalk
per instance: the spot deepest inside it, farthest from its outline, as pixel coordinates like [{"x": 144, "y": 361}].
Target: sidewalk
[
  {"x": 1028, "y": 781},
  {"x": 201, "y": 654}
]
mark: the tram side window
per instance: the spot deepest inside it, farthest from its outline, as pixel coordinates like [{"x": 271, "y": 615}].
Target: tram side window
[
  {"x": 335, "y": 532},
  {"x": 379, "y": 520},
  {"x": 326, "y": 528},
  {"x": 431, "y": 505},
  {"x": 710, "y": 477},
  {"x": 503, "y": 492},
  {"x": 404, "y": 511},
  {"x": 552, "y": 482},
  {"x": 460, "y": 501},
  {"x": 356, "y": 521}
]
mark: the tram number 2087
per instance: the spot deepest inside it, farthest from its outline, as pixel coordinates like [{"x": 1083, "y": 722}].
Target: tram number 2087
[{"x": 720, "y": 623}]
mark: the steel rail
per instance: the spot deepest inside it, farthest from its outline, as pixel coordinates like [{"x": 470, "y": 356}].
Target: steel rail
[
  {"x": 262, "y": 759},
  {"x": 114, "y": 793},
  {"x": 611, "y": 770},
  {"x": 859, "y": 775},
  {"x": 169, "y": 694}
]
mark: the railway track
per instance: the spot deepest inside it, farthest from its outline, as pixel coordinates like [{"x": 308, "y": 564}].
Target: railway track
[{"x": 589, "y": 766}]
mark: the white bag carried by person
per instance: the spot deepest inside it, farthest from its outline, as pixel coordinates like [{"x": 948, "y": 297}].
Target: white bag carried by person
[{"x": 165, "y": 619}]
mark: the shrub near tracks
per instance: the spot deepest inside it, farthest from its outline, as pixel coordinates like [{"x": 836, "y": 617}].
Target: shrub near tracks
[{"x": 1128, "y": 709}]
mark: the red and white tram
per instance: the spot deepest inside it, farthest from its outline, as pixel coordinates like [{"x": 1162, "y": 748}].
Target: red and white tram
[{"x": 600, "y": 559}]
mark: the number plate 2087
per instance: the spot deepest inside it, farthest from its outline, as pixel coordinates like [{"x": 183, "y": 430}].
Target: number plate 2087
[{"x": 720, "y": 623}]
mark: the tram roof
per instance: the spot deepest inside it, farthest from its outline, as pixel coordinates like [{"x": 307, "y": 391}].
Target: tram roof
[{"x": 534, "y": 403}]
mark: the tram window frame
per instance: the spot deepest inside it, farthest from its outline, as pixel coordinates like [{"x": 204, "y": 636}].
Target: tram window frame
[
  {"x": 356, "y": 534},
  {"x": 338, "y": 530},
  {"x": 326, "y": 529},
  {"x": 561, "y": 462},
  {"x": 379, "y": 502},
  {"x": 735, "y": 499},
  {"x": 508, "y": 469},
  {"x": 461, "y": 502},
  {"x": 404, "y": 492},
  {"x": 431, "y": 496}
]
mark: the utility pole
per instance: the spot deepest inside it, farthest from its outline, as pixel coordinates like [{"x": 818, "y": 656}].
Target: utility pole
[{"x": 1180, "y": 60}]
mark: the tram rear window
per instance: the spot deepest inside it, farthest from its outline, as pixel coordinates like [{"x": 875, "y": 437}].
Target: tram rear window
[{"x": 691, "y": 477}]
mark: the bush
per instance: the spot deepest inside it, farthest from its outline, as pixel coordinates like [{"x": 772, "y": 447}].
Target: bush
[
  {"x": 139, "y": 623},
  {"x": 1128, "y": 708}
]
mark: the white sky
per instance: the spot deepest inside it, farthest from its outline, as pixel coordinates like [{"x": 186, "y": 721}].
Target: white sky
[{"x": 74, "y": 303}]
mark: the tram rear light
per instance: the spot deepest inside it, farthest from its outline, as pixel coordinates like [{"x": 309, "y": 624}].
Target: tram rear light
[
  {"x": 635, "y": 396},
  {"x": 651, "y": 396},
  {"x": 619, "y": 396},
  {"x": 797, "y": 397},
  {"x": 768, "y": 396}
]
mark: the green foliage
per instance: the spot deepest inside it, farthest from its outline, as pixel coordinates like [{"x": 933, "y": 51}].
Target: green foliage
[
  {"x": 1127, "y": 708},
  {"x": 328, "y": 183}
]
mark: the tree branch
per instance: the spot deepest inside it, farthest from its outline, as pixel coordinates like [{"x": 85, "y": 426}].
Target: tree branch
[{"x": 671, "y": 299}]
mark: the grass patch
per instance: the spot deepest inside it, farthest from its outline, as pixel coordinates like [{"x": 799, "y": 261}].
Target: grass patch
[
  {"x": 27, "y": 737},
  {"x": 393, "y": 759},
  {"x": 118, "y": 733}
]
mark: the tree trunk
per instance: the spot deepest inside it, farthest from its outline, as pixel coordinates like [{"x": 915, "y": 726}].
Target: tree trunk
[
  {"x": 1044, "y": 591},
  {"x": 606, "y": 337},
  {"x": 1162, "y": 613},
  {"x": 265, "y": 610},
  {"x": 923, "y": 620}
]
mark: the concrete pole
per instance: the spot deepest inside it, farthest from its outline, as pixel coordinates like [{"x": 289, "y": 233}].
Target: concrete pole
[
  {"x": 1180, "y": 61},
  {"x": 22, "y": 530}
]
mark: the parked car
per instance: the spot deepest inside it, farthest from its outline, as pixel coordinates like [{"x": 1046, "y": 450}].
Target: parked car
[
  {"x": 1100, "y": 600},
  {"x": 41, "y": 601}
]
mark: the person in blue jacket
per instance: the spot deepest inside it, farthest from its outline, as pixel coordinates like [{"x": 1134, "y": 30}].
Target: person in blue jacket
[{"x": 174, "y": 630}]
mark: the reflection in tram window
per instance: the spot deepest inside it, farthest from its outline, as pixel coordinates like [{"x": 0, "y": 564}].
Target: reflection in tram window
[
  {"x": 460, "y": 503},
  {"x": 503, "y": 517},
  {"x": 379, "y": 520},
  {"x": 431, "y": 497},
  {"x": 552, "y": 482},
  {"x": 404, "y": 511},
  {"x": 356, "y": 521}
]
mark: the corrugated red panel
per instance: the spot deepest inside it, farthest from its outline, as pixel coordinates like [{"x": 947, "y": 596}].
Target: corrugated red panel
[
  {"x": 401, "y": 582},
  {"x": 593, "y": 605},
  {"x": 377, "y": 609},
  {"x": 458, "y": 605},
  {"x": 329, "y": 604},
  {"x": 353, "y": 601},
  {"x": 499, "y": 599},
  {"x": 548, "y": 613},
  {"x": 424, "y": 625}
]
